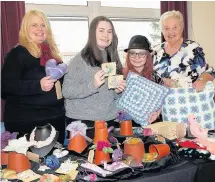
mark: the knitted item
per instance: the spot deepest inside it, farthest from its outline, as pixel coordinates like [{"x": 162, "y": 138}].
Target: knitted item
[
  {"x": 189, "y": 144},
  {"x": 52, "y": 162},
  {"x": 183, "y": 101},
  {"x": 141, "y": 97},
  {"x": 54, "y": 70},
  {"x": 46, "y": 54},
  {"x": 195, "y": 129}
]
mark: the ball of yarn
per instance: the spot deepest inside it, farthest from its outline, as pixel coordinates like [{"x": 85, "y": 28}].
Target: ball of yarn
[{"x": 52, "y": 162}]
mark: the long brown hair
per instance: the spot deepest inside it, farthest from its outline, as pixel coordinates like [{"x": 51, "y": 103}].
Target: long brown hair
[
  {"x": 147, "y": 70},
  {"x": 92, "y": 54}
]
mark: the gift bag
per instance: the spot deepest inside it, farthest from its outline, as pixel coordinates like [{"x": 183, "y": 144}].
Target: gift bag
[
  {"x": 141, "y": 97},
  {"x": 183, "y": 101}
]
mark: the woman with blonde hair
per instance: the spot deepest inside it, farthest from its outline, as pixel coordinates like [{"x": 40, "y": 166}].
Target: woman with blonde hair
[{"x": 31, "y": 98}]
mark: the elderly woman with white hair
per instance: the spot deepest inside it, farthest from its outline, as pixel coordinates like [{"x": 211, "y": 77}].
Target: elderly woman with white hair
[{"x": 177, "y": 58}]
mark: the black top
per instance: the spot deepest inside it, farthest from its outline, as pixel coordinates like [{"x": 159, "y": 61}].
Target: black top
[{"x": 25, "y": 100}]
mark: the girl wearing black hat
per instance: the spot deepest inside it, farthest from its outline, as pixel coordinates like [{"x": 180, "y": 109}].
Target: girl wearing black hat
[{"x": 139, "y": 60}]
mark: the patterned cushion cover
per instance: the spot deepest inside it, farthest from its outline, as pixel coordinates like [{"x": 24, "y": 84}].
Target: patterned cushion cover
[
  {"x": 183, "y": 101},
  {"x": 141, "y": 97}
]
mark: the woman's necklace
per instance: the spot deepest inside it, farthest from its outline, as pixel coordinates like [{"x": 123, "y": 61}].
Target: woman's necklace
[{"x": 40, "y": 144}]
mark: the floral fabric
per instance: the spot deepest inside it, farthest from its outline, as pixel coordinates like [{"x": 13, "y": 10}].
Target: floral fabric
[{"x": 188, "y": 63}]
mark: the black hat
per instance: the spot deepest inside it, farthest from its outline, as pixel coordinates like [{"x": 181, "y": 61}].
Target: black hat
[
  {"x": 139, "y": 42},
  {"x": 41, "y": 134}
]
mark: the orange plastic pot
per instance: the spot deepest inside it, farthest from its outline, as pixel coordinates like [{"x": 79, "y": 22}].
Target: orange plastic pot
[
  {"x": 77, "y": 143},
  {"x": 161, "y": 149},
  {"x": 18, "y": 162},
  {"x": 101, "y": 134},
  {"x": 135, "y": 150},
  {"x": 100, "y": 124},
  {"x": 126, "y": 128},
  {"x": 101, "y": 131},
  {"x": 4, "y": 158},
  {"x": 101, "y": 156}
]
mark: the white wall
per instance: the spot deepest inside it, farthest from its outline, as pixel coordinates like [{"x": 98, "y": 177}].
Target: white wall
[{"x": 202, "y": 28}]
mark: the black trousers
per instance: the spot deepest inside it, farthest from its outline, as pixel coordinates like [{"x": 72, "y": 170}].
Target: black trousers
[
  {"x": 90, "y": 125},
  {"x": 23, "y": 128}
]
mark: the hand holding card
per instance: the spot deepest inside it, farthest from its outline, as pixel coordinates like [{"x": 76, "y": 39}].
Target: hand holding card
[
  {"x": 109, "y": 68},
  {"x": 113, "y": 81}
]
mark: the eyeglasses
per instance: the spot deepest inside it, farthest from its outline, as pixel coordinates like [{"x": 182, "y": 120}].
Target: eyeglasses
[{"x": 141, "y": 54}]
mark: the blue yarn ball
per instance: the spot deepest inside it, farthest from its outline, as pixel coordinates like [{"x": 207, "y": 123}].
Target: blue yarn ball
[{"x": 52, "y": 162}]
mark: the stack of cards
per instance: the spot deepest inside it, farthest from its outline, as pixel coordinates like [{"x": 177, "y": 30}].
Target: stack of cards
[{"x": 110, "y": 72}]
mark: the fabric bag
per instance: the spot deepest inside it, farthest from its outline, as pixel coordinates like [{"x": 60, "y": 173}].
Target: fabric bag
[
  {"x": 183, "y": 101},
  {"x": 141, "y": 97}
]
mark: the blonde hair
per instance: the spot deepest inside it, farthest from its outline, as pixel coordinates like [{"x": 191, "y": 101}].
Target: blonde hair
[
  {"x": 172, "y": 14},
  {"x": 32, "y": 47}
]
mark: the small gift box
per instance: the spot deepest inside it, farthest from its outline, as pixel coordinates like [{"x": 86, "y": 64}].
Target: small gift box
[{"x": 77, "y": 136}]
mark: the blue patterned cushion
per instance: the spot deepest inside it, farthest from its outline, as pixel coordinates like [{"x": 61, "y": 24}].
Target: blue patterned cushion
[
  {"x": 141, "y": 97},
  {"x": 183, "y": 101}
]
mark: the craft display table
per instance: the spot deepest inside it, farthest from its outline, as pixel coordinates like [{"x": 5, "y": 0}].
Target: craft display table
[
  {"x": 205, "y": 170},
  {"x": 185, "y": 171}
]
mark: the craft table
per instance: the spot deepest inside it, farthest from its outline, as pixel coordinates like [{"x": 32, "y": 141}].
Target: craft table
[
  {"x": 181, "y": 172},
  {"x": 185, "y": 171}
]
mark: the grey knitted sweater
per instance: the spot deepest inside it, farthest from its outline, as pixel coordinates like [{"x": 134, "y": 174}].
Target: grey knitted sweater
[{"x": 82, "y": 100}]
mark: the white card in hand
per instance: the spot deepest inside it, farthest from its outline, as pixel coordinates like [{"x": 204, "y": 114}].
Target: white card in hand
[
  {"x": 109, "y": 68},
  {"x": 113, "y": 81}
]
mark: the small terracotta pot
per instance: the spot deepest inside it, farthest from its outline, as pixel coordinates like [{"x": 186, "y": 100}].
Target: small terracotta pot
[
  {"x": 18, "y": 162},
  {"x": 100, "y": 124},
  {"x": 77, "y": 143},
  {"x": 101, "y": 131},
  {"x": 100, "y": 156},
  {"x": 135, "y": 150},
  {"x": 4, "y": 158},
  {"x": 101, "y": 134},
  {"x": 126, "y": 128},
  {"x": 161, "y": 149}
]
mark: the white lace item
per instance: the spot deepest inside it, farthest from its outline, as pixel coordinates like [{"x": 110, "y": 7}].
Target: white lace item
[{"x": 40, "y": 144}]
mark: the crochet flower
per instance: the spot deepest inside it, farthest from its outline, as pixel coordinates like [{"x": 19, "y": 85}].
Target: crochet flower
[
  {"x": 93, "y": 177},
  {"x": 103, "y": 146},
  {"x": 122, "y": 116},
  {"x": 19, "y": 145},
  {"x": 77, "y": 127},
  {"x": 5, "y": 137}
]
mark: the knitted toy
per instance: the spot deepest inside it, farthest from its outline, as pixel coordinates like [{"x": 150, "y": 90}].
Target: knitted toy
[
  {"x": 195, "y": 129},
  {"x": 201, "y": 134},
  {"x": 56, "y": 71}
]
